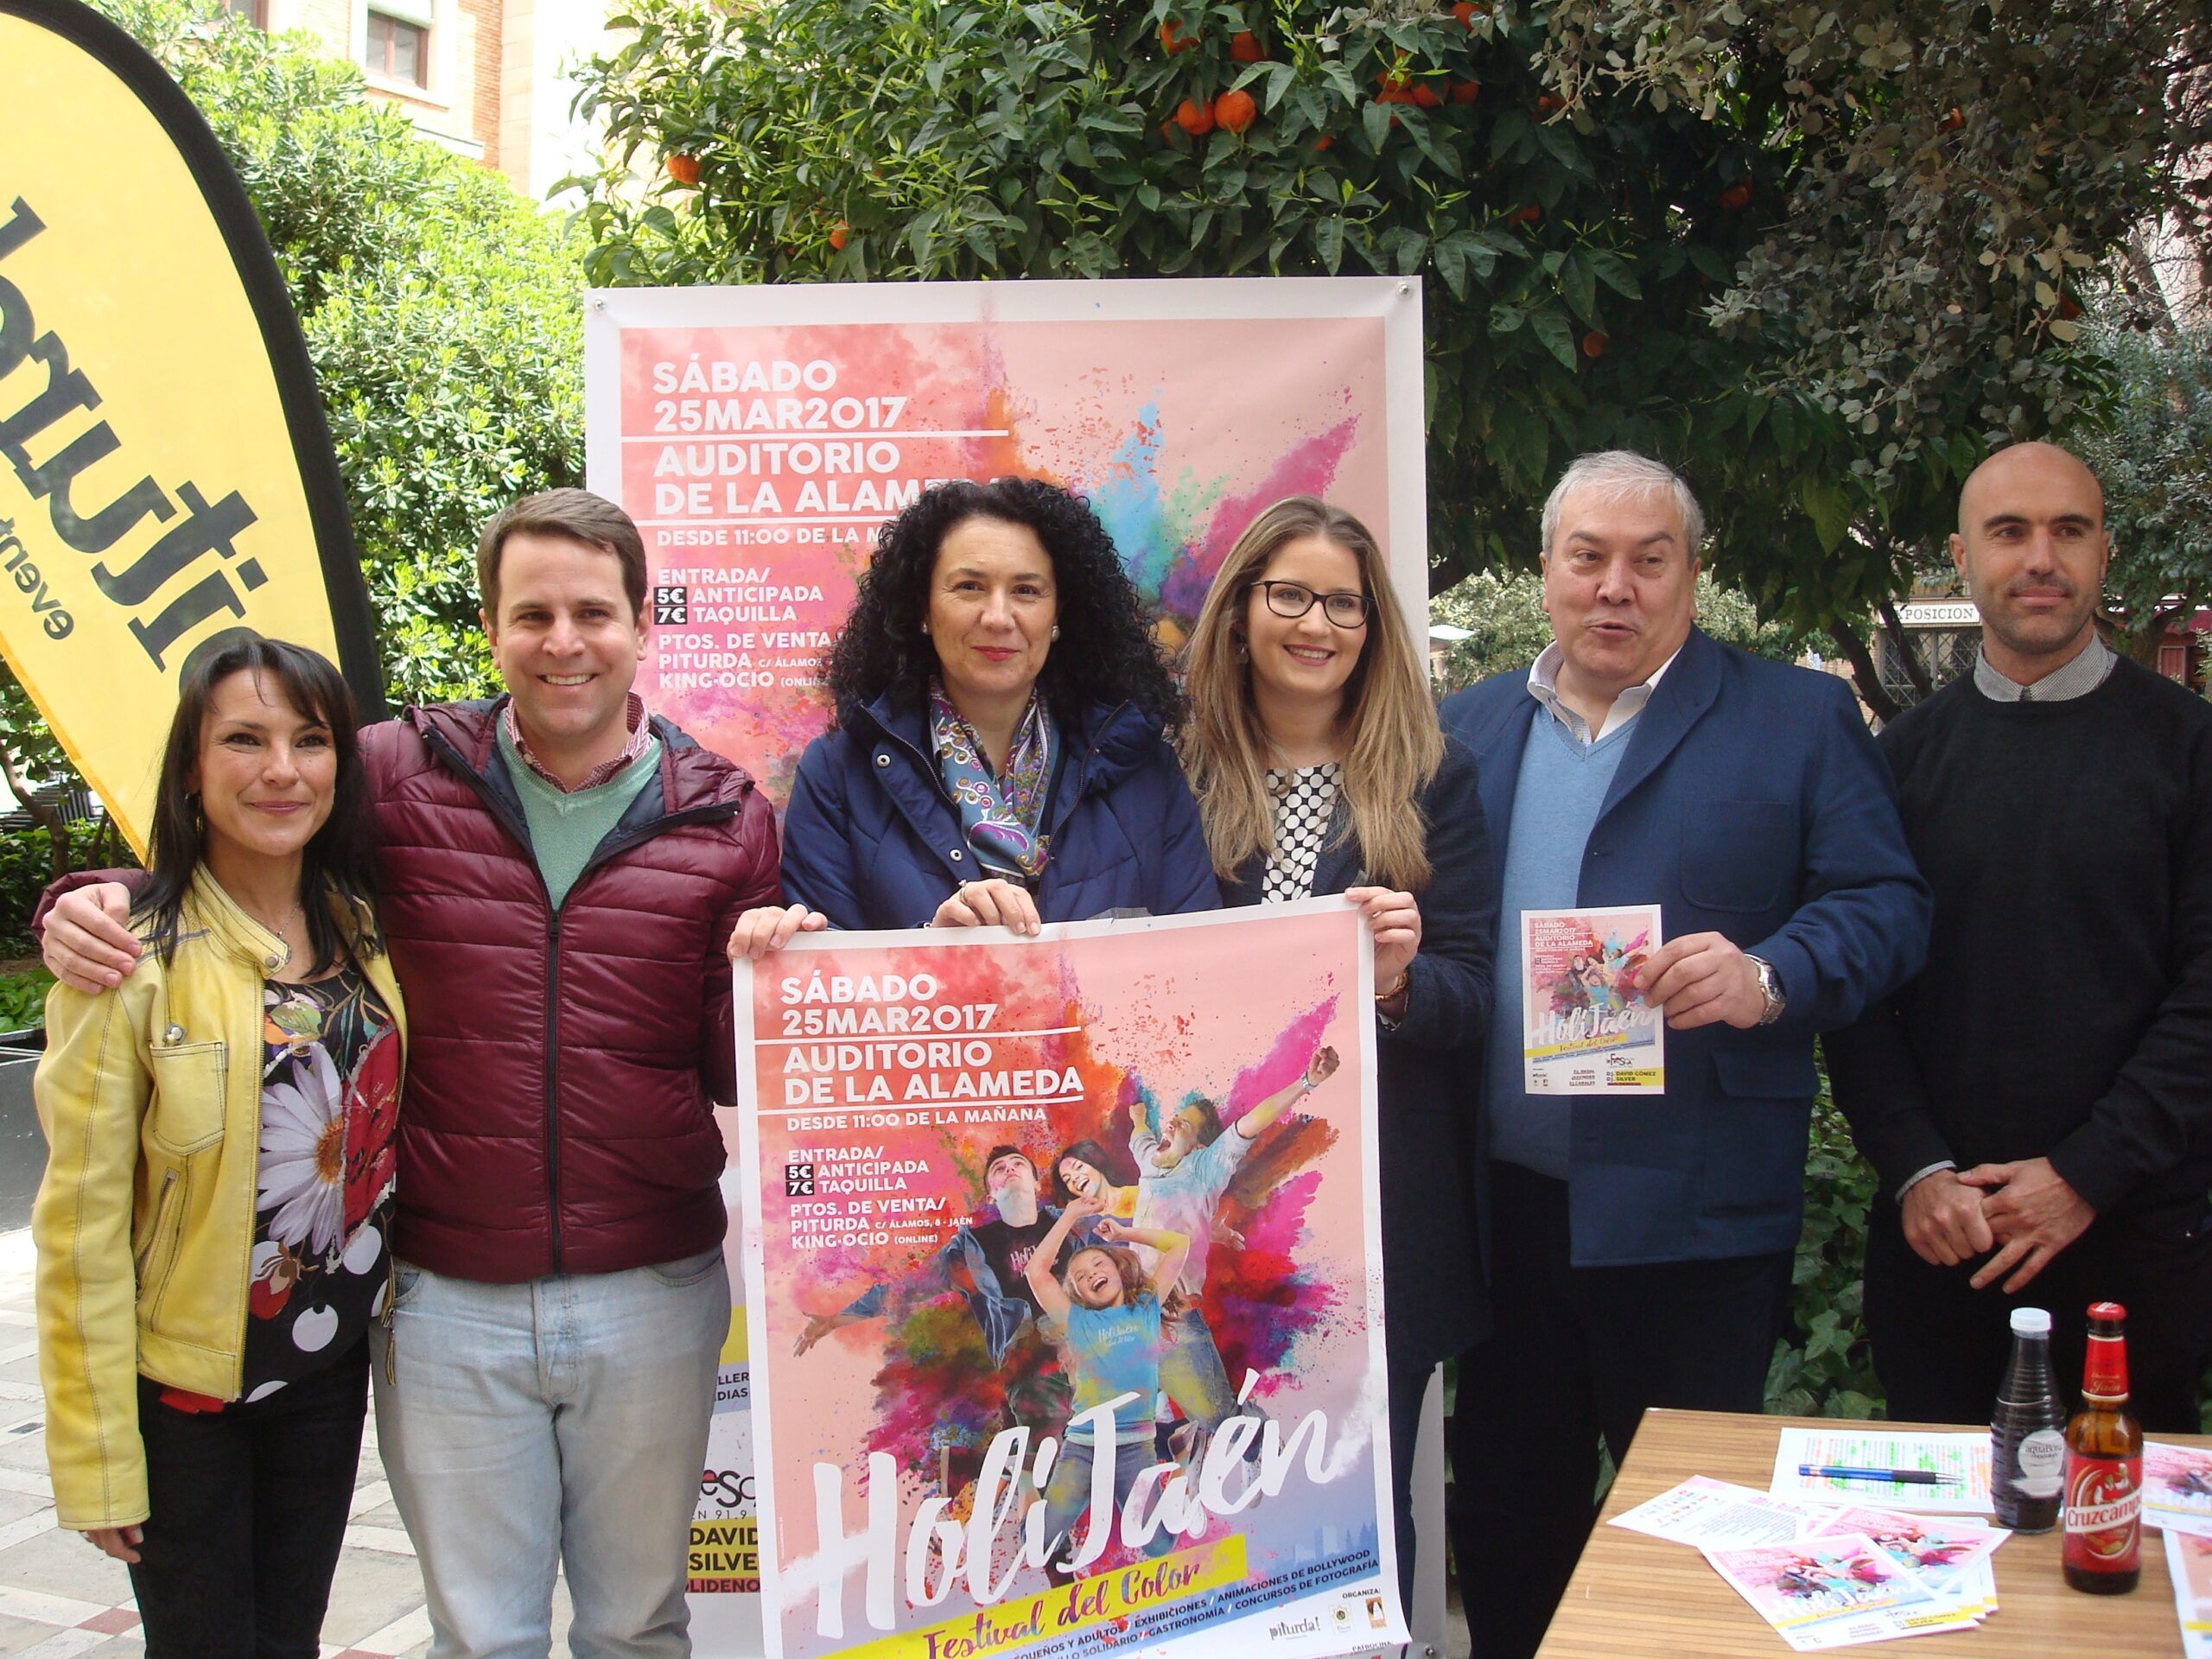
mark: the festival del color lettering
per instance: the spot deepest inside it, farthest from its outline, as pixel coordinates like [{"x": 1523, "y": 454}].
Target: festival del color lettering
[{"x": 1064, "y": 1290}]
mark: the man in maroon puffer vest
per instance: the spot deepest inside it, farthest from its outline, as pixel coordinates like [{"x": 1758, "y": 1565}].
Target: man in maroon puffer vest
[{"x": 559, "y": 875}]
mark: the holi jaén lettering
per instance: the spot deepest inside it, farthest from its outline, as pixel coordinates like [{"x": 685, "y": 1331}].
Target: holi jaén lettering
[
  {"x": 134, "y": 584},
  {"x": 1162, "y": 1500}
]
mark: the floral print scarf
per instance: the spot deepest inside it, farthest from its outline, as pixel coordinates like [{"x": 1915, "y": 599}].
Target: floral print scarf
[{"x": 1001, "y": 817}]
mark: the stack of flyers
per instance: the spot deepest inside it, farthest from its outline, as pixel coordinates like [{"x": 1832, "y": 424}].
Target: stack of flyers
[
  {"x": 1950, "y": 1555},
  {"x": 1924, "y": 1573},
  {"x": 2188, "y": 1565},
  {"x": 1836, "y": 1591},
  {"x": 1584, "y": 1026},
  {"x": 2178, "y": 1488}
]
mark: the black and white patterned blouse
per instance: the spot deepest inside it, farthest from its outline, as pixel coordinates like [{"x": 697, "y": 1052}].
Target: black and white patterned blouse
[{"x": 1304, "y": 799}]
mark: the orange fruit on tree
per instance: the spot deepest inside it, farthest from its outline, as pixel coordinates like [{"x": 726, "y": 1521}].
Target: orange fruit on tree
[
  {"x": 1233, "y": 109},
  {"x": 1425, "y": 95},
  {"x": 1467, "y": 91},
  {"x": 1244, "y": 47},
  {"x": 1735, "y": 198},
  {"x": 1172, "y": 40},
  {"x": 1466, "y": 11},
  {"x": 1953, "y": 118},
  {"x": 1593, "y": 343},
  {"x": 685, "y": 169},
  {"x": 1195, "y": 118},
  {"x": 838, "y": 234},
  {"x": 1550, "y": 104},
  {"x": 1526, "y": 214},
  {"x": 1325, "y": 140}
]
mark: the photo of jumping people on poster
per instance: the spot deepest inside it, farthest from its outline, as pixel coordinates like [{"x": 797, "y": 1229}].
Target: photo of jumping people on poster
[{"x": 1064, "y": 1298}]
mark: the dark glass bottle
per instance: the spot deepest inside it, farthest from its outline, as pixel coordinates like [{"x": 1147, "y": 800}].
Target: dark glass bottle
[
  {"x": 2027, "y": 1440},
  {"x": 2104, "y": 1467}
]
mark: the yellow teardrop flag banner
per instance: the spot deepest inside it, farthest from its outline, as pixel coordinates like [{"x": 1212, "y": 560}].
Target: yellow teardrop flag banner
[{"x": 165, "y": 473}]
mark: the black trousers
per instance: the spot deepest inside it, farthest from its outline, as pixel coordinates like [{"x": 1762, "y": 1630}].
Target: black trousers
[
  {"x": 249, "y": 1508},
  {"x": 1579, "y": 1352},
  {"x": 1940, "y": 1345},
  {"x": 1408, "y": 1387}
]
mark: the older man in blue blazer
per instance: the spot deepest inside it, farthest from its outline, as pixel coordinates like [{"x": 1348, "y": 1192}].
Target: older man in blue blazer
[{"x": 1640, "y": 1246}]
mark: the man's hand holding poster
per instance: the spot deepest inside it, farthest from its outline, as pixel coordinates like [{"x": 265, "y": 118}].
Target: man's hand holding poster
[{"x": 1065, "y": 1289}]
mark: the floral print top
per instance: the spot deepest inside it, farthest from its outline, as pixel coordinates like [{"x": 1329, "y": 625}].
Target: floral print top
[{"x": 322, "y": 1208}]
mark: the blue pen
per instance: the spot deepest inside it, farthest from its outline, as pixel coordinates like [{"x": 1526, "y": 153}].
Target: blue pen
[{"x": 1896, "y": 1476}]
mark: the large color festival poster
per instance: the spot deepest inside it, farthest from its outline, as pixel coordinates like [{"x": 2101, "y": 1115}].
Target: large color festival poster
[
  {"x": 761, "y": 436},
  {"x": 1063, "y": 1289}
]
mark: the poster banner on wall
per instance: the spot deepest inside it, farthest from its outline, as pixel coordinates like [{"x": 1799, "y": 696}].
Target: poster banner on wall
[
  {"x": 761, "y": 435},
  {"x": 1064, "y": 1288},
  {"x": 166, "y": 473}
]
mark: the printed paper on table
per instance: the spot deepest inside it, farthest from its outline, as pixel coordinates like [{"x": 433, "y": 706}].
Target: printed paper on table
[
  {"x": 1713, "y": 1515},
  {"x": 1584, "y": 1031},
  {"x": 1834, "y": 1592},
  {"x": 2189, "y": 1568},
  {"x": 1948, "y": 1554},
  {"x": 921, "y": 1371},
  {"x": 2178, "y": 1488},
  {"x": 1962, "y": 1458}
]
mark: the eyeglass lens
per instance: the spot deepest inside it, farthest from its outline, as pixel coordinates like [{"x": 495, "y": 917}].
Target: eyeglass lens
[{"x": 1288, "y": 599}]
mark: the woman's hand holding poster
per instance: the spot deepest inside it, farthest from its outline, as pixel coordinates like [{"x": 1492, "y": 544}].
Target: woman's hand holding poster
[{"x": 1065, "y": 1289}]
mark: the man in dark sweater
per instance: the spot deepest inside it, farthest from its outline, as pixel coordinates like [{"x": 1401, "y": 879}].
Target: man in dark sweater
[{"x": 2039, "y": 1101}]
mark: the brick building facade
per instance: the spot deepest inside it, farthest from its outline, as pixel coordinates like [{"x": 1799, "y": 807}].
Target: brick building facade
[{"x": 486, "y": 78}]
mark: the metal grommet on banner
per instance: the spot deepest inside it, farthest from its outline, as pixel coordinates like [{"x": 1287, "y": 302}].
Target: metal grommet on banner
[
  {"x": 955, "y": 859},
  {"x": 883, "y": 759}
]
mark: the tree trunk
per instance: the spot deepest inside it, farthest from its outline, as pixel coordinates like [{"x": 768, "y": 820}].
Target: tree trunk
[
  {"x": 1915, "y": 670},
  {"x": 1863, "y": 674},
  {"x": 47, "y": 818}
]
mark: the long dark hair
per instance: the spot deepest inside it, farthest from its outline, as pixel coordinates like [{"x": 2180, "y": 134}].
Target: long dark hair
[
  {"x": 336, "y": 859},
  {"x": 1098, "y": 1157},
  {"x": 1106, "y": 653}
]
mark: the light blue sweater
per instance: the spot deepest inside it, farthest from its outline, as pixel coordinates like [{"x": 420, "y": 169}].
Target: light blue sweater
[{"x": 1555, "y": 804}]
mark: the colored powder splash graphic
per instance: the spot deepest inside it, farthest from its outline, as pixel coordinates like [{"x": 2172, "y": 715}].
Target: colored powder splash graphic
[
  {"x": 1175, "y": 540},
  {"x": 939, "y": 1399}
]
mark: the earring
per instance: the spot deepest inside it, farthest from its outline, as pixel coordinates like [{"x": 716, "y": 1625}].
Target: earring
[
  {"x": 1056, "y": 630},
  {"x": 925, "y": 625},
  {"x": 1243, "y": 651}
]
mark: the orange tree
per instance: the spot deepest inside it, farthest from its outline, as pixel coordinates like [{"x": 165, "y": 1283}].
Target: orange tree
[{"x": 1821, "y": 257}]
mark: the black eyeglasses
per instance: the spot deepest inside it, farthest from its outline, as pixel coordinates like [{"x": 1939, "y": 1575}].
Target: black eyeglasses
[{"x": 1295, "y": 599}]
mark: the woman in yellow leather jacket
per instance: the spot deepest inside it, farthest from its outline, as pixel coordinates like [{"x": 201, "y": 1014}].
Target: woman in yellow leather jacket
[{"x": 213, "y": 1229}]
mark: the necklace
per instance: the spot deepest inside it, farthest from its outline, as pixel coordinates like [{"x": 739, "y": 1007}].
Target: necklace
[{"x": 282, "y": 927}]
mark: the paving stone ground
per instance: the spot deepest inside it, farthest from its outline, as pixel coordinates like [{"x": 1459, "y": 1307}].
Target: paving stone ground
[{"x": 60, "y": 1599}]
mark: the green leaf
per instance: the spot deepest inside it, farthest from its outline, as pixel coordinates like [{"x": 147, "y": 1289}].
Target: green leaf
[
  {"x": 1612, "y": 270},
  {"x": 1579, "y": 284},
  {"x": 1329, "y": 243},
  {"x": 1557, "y": 334},
  {"x": 1375, "y": 117},
  {"x": 1451, "y": 257}
]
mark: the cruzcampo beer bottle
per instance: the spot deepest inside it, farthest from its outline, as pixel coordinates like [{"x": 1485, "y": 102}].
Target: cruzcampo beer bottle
[
  {"x": 2104, "y": 1467},
  {"x": 2027, "y": 1445}
]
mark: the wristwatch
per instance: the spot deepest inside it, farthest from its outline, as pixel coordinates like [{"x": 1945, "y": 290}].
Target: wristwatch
[{"x": 1770, "y": 988}]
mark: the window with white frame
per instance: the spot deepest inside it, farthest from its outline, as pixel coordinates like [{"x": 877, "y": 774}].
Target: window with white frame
[{"x": 397, "y": 43}]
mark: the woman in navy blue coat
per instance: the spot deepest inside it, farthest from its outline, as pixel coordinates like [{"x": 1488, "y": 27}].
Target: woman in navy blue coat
[
  {"x": 996, "y": 757},
  {"x": 1314, "y": 751}
]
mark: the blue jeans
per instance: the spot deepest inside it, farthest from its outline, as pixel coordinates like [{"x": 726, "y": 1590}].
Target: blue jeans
[{"x": 559, "y": 1421}]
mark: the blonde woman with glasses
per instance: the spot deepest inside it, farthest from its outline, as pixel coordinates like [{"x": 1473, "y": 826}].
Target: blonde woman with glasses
[{"x": 1314, "y": 749}]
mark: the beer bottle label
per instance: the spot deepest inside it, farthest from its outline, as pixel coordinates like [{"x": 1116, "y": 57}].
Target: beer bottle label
[
  {"x": 2104, "y": 1505},
  {"x": 2041, "y": 1459}
]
